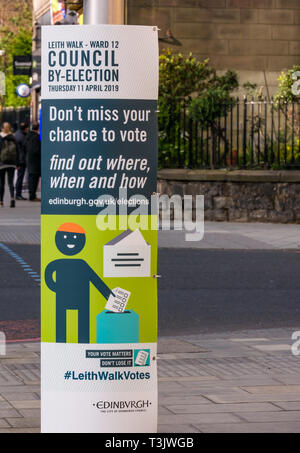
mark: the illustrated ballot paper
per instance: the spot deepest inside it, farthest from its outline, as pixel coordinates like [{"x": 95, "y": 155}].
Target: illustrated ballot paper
[
  {"x": 117, "y": 302},
  {"x": 127, "y": 255},
  {"x": 141, "y": 358}
]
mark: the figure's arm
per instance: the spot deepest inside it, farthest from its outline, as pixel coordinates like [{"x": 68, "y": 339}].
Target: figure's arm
[
  {"x": 50, "y": 269},
  {"x": 100, "y": 285}
]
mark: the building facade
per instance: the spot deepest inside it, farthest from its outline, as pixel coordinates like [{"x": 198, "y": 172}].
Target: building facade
[{"x": 257, "y": 38}]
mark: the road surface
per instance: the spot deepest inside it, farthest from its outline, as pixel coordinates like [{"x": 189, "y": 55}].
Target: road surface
[{"x": 201, "y": 291}]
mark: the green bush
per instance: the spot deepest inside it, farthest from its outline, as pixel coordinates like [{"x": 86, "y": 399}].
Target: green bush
[{"x": 189, "y": 91}]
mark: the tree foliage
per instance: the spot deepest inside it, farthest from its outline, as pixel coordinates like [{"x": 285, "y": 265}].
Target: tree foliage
[
  {"x": 180, "y": 76},
  {"x": 215, "y": 98},
  {"x": 286, "y": 81},
  {"x": 193, "y": 87},
  {"x": 16, "y": 39},
  {"x": 195, "y": 84}
]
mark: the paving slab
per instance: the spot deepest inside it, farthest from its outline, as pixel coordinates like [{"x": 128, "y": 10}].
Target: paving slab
[
  {"x": 3, "y": 424},
  {"x": 276, "y": 416},
  {"x": 226, "y": 384},
  {"x": 20, "y": 431},
  {"x": 198, "y": 418},
  {"x": 187, "y": 379},
  {"x": 288, "y": 406},
  {"x": 200, "y": 389},
  {"x": 294, "y": 380},
  {"x": 185, "y": 399},
  {"x": 170, "y": 386},
  {"x": 234, "y": 398},
  {"x": 9, "y": 361},
  {"x": 162, "y": 410},
  {"x": 8, "y": 378},
  {"x": 30, "y": 413},
  {"x": 273, "y": 389},
  {"x": 287, "y": 427},
  {"x": 19, "y": 389},
  {"x": 248, "y": 340},
  {"x": 273, "y": 347},
  {"x": 221, "y": 408},
  {"x": 21, "y": 422},
  {"x": 26, "y": 404},
  {"x": 5, "y": 404},
  {"x": 5, "y": 413},
  {"x": 170, "y": 345},
  {"x": 206, "y": 390},
  {"x": 19, "y": 396},
  {"x": 175, "y": 428}
]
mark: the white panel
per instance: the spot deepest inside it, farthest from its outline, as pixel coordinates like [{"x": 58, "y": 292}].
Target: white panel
[{"x": 136, "y": 57}]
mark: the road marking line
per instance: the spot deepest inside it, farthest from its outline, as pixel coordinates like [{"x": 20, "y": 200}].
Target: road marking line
[{"x": 26, "y": 267}]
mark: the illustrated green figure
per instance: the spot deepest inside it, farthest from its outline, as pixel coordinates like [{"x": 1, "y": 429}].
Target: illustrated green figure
[{"x": 72, "y": 282}]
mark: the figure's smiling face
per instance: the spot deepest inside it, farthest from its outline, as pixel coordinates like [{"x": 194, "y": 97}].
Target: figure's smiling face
[{"x": 69, "y": 243}]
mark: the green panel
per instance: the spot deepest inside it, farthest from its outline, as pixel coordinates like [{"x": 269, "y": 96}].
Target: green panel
[{"x": 143, "y": 299}]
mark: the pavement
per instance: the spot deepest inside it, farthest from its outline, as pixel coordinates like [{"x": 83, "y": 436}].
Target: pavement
[
  {"x": 21, "y": 225},
  {"x": 231, "y": 382},
  {"x": 245, "y": 382}
]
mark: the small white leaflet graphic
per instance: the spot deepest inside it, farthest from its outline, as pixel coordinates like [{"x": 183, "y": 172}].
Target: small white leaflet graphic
[
  {"x": 141, "y": 358},
  {"x": 118, "y": 302}
]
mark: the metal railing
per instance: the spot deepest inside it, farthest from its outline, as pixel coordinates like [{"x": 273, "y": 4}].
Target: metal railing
[{"x": 248, "y": 134}]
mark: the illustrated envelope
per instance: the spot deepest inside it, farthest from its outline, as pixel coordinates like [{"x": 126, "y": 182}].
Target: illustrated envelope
[{"x": 127, "y": 255}]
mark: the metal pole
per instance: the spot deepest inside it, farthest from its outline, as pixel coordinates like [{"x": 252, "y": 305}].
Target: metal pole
[{"x": 103, "y": 12}]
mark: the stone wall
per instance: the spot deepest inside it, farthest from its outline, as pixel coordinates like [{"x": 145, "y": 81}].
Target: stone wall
[
  {"x": 259, "y": 38},
  {"x": 242, "y": 196}
]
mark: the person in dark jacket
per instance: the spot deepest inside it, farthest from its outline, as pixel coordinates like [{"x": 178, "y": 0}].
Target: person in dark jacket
[
  {"x": 8, "y": 162},
  {"x": 32, "y": 146},
  {"x": 20, "y": 138}
]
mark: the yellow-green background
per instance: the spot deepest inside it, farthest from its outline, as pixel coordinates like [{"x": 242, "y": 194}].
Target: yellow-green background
[{"x": 143, "y": 299}]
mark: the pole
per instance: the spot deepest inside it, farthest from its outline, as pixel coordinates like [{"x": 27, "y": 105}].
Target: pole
[{"x": 104, "y": 12}]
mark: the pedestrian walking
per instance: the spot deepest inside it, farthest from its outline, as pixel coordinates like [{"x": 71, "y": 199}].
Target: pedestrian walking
[
  {"x": 20, "y": 136},
  {"x": 8, "y": 162},
  {"x": 32, "y": 146}
]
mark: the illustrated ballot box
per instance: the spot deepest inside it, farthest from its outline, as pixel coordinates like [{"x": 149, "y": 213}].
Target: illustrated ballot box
[{"x": 117, "y": 327}]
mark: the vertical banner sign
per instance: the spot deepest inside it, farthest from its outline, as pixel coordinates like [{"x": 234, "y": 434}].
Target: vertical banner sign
[
  {"x": 99, "y": 231},
  {"x": 58, "y": 11}
]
